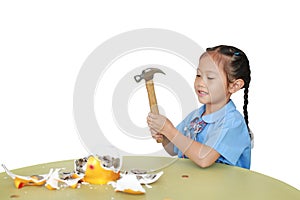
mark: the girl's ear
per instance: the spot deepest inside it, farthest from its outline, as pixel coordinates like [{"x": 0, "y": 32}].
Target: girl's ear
[{"x": 236, "y": 85}]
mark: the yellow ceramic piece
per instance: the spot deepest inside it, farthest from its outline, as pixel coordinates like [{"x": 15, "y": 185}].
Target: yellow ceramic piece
[
  {"x": 49, "y": 187},
  {"x": 129, "y": 191},
  {"x": 54, "y": 182},
  {"x": 74, "y": 186},
  {"x": 19, "y": 182},
  {"x": 128, "y": 184},
  {"x": 75, "y": 176},
  {"x": 96, "y": 174}
]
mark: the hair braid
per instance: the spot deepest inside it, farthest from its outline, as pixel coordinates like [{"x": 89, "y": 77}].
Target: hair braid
[{"x": 246, "y": 90}]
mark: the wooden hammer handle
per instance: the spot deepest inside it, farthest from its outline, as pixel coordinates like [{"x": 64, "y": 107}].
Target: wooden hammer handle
[
  {"x": 152, "y": 97},
  {"x": 152, "y": 100}
]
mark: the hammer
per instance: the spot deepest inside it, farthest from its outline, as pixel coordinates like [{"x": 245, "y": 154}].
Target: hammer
[{"x": 147, "y": 75}]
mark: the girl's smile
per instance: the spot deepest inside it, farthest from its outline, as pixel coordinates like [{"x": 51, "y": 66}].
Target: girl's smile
[{"x": 202, "y": 93}]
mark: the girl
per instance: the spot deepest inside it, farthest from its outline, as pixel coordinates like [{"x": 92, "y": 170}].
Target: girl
[{"x": 215, "y": 132}]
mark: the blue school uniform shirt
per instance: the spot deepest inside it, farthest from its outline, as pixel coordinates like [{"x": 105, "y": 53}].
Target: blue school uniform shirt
[{"x": 224, "y": 130}]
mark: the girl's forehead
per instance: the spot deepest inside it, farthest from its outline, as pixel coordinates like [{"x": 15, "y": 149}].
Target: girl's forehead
[{"x": 206, "y": 63}]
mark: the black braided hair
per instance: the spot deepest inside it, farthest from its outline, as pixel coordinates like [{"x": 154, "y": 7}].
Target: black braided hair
[{"x": 237, "y": 67}]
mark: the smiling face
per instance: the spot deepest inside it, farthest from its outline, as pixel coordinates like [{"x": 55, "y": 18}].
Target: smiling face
[{"x": 211, "y": 84}]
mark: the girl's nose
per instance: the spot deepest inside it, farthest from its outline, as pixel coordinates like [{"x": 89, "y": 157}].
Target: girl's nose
[{"x": 199, "y": 82}]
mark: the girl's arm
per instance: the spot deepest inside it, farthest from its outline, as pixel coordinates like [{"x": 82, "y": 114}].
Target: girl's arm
[
  {"x": 168, "y": 146},
  {"x": 201, "y": 154}
]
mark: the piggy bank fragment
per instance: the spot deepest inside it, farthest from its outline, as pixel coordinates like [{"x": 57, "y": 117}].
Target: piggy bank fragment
[
  {"x": 128, "y": 184},
  {"x": 131, "y": 182},
  {"x": 100, "y": 170},
  {"x": 34, "y": 180},
  {"x": 144, "y": 178},
  {"x": 59, "y": 179}
]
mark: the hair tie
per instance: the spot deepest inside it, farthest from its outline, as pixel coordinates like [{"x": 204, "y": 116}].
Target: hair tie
[{"x": 236, "y": 53}]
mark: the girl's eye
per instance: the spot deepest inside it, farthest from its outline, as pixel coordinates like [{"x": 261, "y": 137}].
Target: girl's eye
[
  {"x": 210, "y": 78},
  {"x": 198, "y": 75}
]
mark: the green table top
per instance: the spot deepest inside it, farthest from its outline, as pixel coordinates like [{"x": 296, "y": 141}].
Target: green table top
[{"x": 181, "y": 180}]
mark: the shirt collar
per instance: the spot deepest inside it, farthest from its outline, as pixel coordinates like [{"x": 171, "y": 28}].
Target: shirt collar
[{"x": 215, "y": 116}]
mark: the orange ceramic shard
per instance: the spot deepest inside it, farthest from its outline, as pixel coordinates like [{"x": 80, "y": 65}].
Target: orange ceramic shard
[
  {"x": 96, "y": 174},
  {"x": 129, "y": 191},
  {"x": 21, "y": 181},
  {"x": 55, "y": 182},
  {"x": 49, "y": 187},
  {"x": 128, "y": 184}
]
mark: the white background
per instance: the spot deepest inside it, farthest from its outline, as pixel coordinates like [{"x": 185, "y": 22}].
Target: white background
[{"x": 43, "y": 46}]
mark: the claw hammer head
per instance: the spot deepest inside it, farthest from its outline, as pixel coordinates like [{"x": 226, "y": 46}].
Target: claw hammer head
[{"x": 147, "y": 74}]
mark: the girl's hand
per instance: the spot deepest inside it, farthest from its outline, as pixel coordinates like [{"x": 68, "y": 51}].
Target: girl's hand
[
  {"x": 155, "y": 135},
  {"x": 159, "y": 124},
  {"x": 160, "y": 127}
]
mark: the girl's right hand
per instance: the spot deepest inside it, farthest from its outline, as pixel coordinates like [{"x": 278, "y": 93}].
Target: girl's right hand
[{"x": 155, "y": 135}]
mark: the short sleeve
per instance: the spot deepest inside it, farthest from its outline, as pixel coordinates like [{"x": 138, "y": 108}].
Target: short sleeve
[{"x": 230, "y": 139}]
